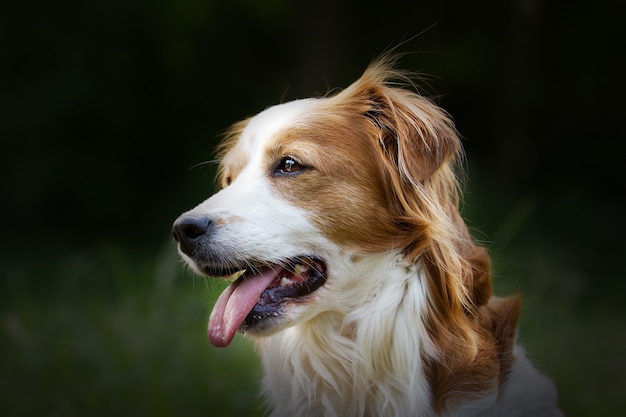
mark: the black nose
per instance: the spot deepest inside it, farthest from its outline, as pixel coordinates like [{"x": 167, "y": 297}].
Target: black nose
[{"x": 188, "y": 230}]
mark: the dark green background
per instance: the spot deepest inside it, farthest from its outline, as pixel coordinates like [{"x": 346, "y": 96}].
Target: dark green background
[{"x": 109, "y": 108}]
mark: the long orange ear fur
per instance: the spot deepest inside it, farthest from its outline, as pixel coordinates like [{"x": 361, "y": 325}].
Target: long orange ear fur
[{"x": 421, "y": 155}]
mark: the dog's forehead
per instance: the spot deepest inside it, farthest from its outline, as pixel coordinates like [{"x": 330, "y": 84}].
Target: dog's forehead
[{"x": 265, "y": 125}]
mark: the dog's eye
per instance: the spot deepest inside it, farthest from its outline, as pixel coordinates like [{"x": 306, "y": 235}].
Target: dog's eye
[{"x": 288, "y": 166}]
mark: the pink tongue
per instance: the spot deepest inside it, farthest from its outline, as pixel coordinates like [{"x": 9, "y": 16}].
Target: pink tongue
[{"x": 234, "y": 304}]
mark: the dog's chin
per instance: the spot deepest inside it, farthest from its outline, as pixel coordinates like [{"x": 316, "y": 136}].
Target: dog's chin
[{"x": 263, "y": 295}]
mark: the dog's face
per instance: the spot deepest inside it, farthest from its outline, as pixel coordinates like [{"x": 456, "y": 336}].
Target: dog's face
[
  {"x": 312, "y": 191},
  {"x": 298, "y": 202}
]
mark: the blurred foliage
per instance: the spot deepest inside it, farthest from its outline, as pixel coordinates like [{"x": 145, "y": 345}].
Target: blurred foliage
[
  {"x": 109, "y": 111},
  {"x": 116, "y": 336}
]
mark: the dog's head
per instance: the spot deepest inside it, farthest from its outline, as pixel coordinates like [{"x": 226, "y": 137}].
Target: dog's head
[{"x": 314, "y": 190}]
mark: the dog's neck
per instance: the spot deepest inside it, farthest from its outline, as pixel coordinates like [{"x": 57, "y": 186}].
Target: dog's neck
[{"x": 360, "y": 359}]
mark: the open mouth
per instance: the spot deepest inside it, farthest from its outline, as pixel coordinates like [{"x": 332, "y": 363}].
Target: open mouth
[{"x": 259, "y": 294}]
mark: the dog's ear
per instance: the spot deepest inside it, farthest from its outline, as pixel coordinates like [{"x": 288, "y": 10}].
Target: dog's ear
[
  {"x": 419, "y": 155},
  {"x": 416, "y": 136},
  {"x": 224, "y": 155}
]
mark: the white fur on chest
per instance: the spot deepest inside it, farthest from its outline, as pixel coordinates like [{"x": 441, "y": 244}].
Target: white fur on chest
[{"x": 362, "y": 363}]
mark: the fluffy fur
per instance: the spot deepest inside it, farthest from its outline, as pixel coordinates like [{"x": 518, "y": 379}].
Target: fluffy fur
[{"x": 405, "y": 324}]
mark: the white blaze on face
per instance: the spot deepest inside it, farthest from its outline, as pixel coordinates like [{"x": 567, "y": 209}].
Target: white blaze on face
[{"x": 254, "y": 221}]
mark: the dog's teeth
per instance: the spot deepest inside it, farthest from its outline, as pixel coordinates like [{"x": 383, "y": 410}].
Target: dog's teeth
[
  {"x": 299, "y": 268},
  {"x": 236, "y": 275},
  {"x": 284, "y": 281}
]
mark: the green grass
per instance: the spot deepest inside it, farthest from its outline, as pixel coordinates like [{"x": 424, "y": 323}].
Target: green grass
[
  {"x": 108, "y": 333},
  {"x": 105, "y": 335}
]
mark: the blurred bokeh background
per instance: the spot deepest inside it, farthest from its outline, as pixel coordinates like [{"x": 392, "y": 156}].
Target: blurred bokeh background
[{"x": 109, "y": 109}]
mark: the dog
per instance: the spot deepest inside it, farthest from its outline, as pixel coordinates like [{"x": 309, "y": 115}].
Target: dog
[{"x": 352, "y": 270}]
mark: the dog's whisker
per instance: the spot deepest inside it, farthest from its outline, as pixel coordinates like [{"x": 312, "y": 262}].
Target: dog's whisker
[{"x": 200, "y": 164}]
